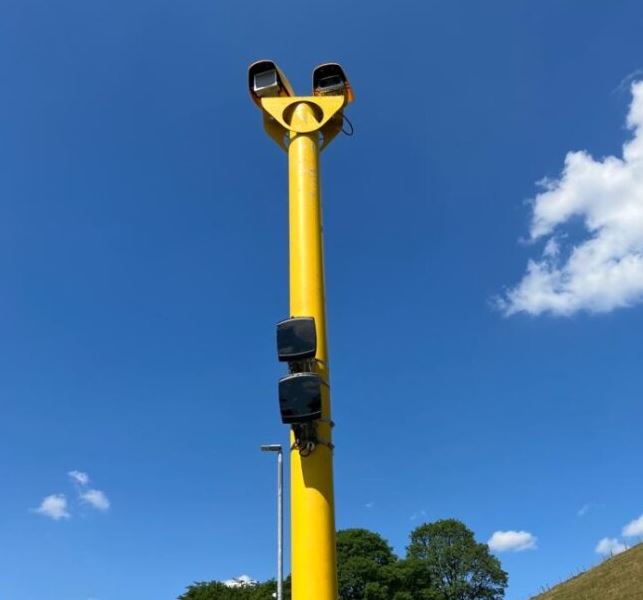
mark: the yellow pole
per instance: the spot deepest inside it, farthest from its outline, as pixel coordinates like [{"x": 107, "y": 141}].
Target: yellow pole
[{"x": 314, "y": 570}]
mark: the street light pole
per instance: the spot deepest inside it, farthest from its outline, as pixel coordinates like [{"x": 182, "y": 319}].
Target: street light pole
[{"x": 280, "y": 515}]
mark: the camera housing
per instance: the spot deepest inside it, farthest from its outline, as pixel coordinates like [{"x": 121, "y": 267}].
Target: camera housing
[
  {"x": 329, "y": 79},
  {"x": 300, "y": 398},
  {"x": 296, "y": 339},
  {"x": 266, "y": 80}
]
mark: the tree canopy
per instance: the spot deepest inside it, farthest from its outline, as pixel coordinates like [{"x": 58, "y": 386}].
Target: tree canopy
[
  {"x": 361, "y": 554},
  {"x": 458, "y": 566},
  {"x": 443, "y": 562},
  {"x": 217, "y": 590}
]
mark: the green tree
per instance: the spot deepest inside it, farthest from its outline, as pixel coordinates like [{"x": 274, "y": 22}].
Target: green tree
[
  {"x": 457, "y": 567},
  {"x": 361, "y": 556},
  {"x": 409, "y": 579},
  {"x": 215, "y": 590},
  {"x": 443, "y": 562}
]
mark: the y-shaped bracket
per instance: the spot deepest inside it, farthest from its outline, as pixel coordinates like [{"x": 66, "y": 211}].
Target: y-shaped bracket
[{"x": 277, "y": 116}]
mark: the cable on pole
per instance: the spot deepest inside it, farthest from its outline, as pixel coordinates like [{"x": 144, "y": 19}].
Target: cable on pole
[{"x": 349, "y": 132}]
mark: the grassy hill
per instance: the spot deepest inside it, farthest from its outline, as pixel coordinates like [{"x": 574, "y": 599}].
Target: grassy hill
[{"x": 618, "y": 578}]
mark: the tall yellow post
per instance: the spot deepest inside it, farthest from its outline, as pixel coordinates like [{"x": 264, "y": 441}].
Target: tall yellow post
[
  {"x": 303, "y": 126},
  {"x": 314, "y": 571}
]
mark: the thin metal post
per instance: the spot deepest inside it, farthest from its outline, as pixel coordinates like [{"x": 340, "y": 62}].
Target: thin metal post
[
  {"x": 280, "y": 525},
  {"x": 280, "y": 515}
]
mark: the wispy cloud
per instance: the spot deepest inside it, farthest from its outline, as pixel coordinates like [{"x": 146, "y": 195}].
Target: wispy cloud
[
  {"x": 634, "y": 528},
  {"x": 369, "y": 504},
  {"x": 626, "y": 83},
  {"x": 512, "y": 541},
  {"x": 79, "y": 477},
  {"x": 420, "y": 514},
  {"x": 96, "y": 499},
  {"x": 92, "y": 497},
  {"x": 604, "y": 270},
  {"x": 54, "y": 507},
  {"x": 609, "y": 547},
  {"x": 583, "y": 510}
]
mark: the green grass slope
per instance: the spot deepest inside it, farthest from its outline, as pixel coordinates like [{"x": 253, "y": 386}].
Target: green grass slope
[{"x": 618, "y": 578}]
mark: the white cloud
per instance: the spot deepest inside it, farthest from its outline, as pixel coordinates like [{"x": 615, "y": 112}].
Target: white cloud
[
  {"x": 609, "y": 547},
  {"x": 79, "y": 477},
  {"x": 95, "y": 498},
  {"x": 511, "y": 541},
  {"x": 241, "y": 581},
  {"x": 54, "y": 507},
  {"x": 604, "y": 270},
  {"x": 369, "y": 504},
  {"x": 634, "y": 528},
  {"x": 583, "y": 510}
]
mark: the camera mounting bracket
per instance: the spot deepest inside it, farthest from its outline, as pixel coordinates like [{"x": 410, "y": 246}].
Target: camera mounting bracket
[{"x": 277, "y": 117}]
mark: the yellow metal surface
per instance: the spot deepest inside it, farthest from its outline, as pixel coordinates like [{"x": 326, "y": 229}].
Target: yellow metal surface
[
  {"x": 279, "y": 123},
  {"x": 322, "y": 110},
  {"x": 314, "y": 575}
]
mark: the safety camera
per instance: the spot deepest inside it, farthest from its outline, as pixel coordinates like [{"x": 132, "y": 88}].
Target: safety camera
[
  {"x": 300, "y": 398},
  {"x": 329, "y": 79},
  {"x": 296, "y": 339},
  {"x": 265, "y": 80}
]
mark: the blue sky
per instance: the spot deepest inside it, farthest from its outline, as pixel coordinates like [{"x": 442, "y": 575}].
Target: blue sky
[{"x": 143, "y": 265}]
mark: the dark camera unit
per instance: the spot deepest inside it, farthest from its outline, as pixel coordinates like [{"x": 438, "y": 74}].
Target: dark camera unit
[
  {"x": 300, "y": 398},
  {"x": 329, "y": 79},
  {"x": 265, "y": 80},
  {"x": 296, "y": 339}
]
